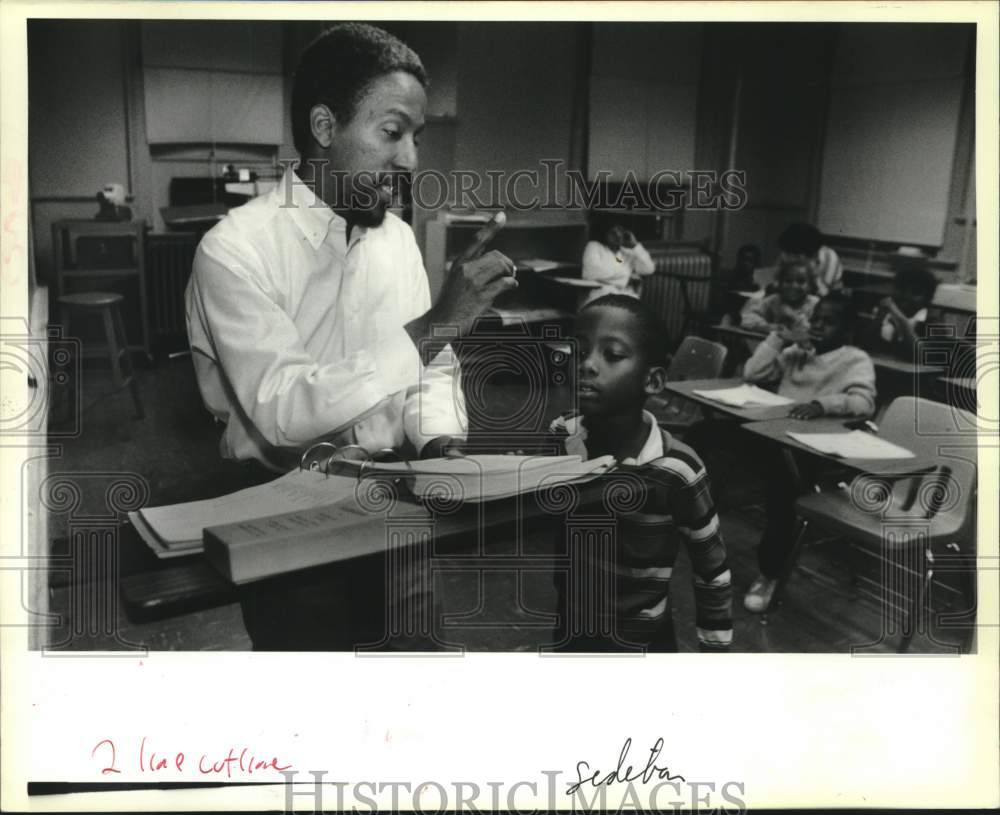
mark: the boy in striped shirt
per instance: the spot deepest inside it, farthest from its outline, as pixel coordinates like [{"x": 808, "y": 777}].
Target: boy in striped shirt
[{"x": 616, "y": 597}]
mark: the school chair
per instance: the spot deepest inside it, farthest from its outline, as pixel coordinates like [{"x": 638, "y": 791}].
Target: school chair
[
  {"x": 912, "y": 522},
  {"x": 696, "y": 358}
]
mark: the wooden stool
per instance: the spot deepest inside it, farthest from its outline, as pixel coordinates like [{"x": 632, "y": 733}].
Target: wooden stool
[{"x": 114, "y": 330}]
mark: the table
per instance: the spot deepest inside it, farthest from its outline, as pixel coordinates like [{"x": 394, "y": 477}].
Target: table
[
  {"x": 777, "y": 430},
  {"x": 746, "y": 414}
]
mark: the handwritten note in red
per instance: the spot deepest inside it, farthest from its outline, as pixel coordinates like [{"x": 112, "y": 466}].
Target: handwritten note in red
[{"x": 236, "y": 763}]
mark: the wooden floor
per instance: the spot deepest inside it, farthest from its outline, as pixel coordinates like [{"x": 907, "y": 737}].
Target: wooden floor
[{"x": 173, "y": 453}]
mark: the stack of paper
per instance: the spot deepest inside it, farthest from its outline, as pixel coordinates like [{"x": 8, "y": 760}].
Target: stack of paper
[
  {"x": 745, "y": 396},
  {"x": 855, "y": 444},
  {"x": 176, "y": 530}
]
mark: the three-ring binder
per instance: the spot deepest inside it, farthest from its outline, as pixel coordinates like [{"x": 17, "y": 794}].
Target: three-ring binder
[{"x": 313, "y": 459}]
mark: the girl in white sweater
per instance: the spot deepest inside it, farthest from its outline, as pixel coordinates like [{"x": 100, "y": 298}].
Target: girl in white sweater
[
  {"x": 826, "y": 377},
  {"x": 616, "y": 261}
]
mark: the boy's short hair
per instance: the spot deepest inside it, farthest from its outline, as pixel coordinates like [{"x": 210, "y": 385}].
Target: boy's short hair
[
  {"x": 842, "y": 301},
  {"x": 915, "y": 276},
  {"x": 800, "y": 239},
  {"x": 338, "y": 67},
  {"x": 786, "y": 266},
  {"x": 652, "y": 333}
]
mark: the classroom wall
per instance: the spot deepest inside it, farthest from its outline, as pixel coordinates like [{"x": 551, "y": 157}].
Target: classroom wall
[
  {"x": 77, "y": 122},
  {"x": 764, "y": 94},
  {"x": 896, "y": 94},
  {"x": 503, "y": 96},
  {"x": 517, "y": 96}
]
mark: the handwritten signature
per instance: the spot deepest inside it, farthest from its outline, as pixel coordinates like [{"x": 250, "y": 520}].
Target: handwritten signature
[{"x": 621, "y": 774}]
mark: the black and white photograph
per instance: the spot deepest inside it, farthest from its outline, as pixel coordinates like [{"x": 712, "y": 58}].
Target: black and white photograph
[{"x": 393, "y": 339}]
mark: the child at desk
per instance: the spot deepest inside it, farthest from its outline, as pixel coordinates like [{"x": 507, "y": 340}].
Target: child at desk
[
  {"x": 899, "y": 321},
  {"x": 621, "y": 347},
  {"x": 790, "y": 306},
  {"x": 616, "y": 261},
  {"x": 826, "y": 377}
]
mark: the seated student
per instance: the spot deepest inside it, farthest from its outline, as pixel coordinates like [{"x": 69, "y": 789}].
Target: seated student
[
  {"x": 615, "y": 259},
  {"x": 621, "y": 347},
  {"x": 826, "y": 377},
  {"x": 748, "y": 258},
  {"x": 803, "y": 242},
  {"x": 739, "y": 279},
  {"x": 790, "y": 306},
  {"x": 899, "y": 321}
]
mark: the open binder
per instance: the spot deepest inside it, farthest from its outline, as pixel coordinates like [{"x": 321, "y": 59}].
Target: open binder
[
  {"x": 463, "y": 479},
  {"x": 324, "y": 511}
]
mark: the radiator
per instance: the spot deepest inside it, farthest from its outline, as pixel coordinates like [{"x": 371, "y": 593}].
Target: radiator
[
  {"x": 169, "y": 259},
  {"x": 663, "y": 292}
]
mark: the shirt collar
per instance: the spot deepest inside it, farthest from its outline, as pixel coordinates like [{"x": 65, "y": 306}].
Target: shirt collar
[
  {"x": 651, "y": 450},
  {"x": 314, "y": 218}
]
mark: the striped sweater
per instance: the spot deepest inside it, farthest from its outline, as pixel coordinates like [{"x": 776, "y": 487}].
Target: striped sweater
[{"x": 676, "y": 509}]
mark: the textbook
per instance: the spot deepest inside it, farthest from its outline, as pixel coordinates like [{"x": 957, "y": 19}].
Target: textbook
[
  {"x": 855, "y": 444},
  {"x": 267, "y": 547},
  {"x": 176, "y": 530},
  {"x": 745, "y": 396}
]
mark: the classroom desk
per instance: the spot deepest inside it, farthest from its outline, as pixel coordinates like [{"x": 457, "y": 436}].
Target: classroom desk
[
  {"x": 776, "y": 430},
  {"x": 902, "y": 366},
  {"x": 744, "y": 414}
]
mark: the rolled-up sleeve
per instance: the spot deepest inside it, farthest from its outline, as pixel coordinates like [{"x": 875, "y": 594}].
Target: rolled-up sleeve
[{"x": 244, "y": 342}]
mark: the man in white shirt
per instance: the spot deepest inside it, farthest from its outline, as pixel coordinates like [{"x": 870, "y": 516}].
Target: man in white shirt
[{"x": 309, "y": 311}]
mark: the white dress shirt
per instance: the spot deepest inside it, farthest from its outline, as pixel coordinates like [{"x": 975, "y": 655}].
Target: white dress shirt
[{"x": 297, "y": 335}]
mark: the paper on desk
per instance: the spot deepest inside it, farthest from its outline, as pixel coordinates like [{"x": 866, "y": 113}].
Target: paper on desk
[
  {"x": 854, "y": 444},
  {"x": 745, "y": 396},
  {"x": 539, "y": 264},
  {"x": 178, "y": 527}
]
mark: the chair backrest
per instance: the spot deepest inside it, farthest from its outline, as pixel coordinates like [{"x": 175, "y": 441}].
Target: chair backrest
[
  {"x": 928, "y": 424},
  {"x": 941, "y": 433},
  {"x": 697, "y": 358}
]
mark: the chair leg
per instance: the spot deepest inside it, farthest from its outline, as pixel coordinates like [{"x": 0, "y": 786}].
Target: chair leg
[
  {"x": 793, "y": 556},
  {"x": 133, "y": 383},
  {"x": 915, "y": 613},
  {"x": 114, "y": 351}
]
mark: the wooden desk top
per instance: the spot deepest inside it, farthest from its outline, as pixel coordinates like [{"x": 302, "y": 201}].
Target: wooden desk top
[
  {"x": 746, "y": 414},
  {"x": 777, "y": 430}
]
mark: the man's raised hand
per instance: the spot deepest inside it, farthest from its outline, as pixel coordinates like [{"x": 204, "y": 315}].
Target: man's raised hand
[{"x": 476, "y": 278}]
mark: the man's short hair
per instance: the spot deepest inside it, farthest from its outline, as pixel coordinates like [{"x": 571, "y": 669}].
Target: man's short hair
[
  {"x": 337, "y": 68},
  {"x": 800, "y": 239}
]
